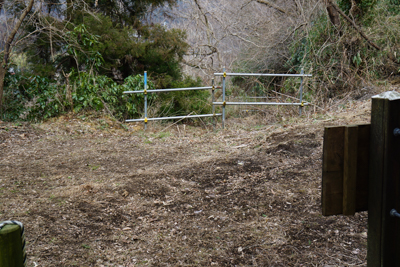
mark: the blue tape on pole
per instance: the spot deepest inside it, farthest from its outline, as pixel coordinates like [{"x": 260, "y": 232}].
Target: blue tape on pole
[{"x": 145, "y": 80}]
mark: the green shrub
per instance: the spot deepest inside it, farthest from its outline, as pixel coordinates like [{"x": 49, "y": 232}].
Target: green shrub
[
  {"x": 31, "y": 98},
  {"x": 182, "y": 103},
  {"x": 45, "y": 99},
  {"x": 15, "y": 98},
  {"x": 37, "y": 98},
  {"x": 102, "y": 93}
]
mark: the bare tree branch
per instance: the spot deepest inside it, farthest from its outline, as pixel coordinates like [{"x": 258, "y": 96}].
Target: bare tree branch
[
  {"x": 354, "y": 26},
  {"x": 268, "y": 3},
  {"x": 15, "y": 30},
  {"x": 7, "y": 48},
  {"x": 28, "y": 35},
  {"x": 209, "y": 32}
]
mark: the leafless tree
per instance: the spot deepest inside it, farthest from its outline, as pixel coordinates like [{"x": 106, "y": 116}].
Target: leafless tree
[{"x": 256, "y": 33}]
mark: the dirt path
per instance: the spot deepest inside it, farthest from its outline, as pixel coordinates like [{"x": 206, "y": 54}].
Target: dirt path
[{"x": 96, "y": 195}]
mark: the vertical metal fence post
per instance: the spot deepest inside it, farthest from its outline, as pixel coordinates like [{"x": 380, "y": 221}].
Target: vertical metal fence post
[
  {"x": 145, "y": 100},
  {"x": 301, "y": 92},
  {"x": 223, "y": 98},
  {"x": 213, "y": 100}
]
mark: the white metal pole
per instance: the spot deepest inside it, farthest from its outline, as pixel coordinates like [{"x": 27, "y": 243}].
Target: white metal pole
[
  {"x": 213, "y": 100},
  {"x": 145, "y": 100},
  {"x": 223, "y": 98}
]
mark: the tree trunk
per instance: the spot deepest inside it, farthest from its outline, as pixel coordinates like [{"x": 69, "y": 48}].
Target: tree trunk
[
  {"x": 333, "y": 14},
  {"x": 268, "y": 3},
  {"x": 8, "y": 47},
  {"x": 3, "y": 71}
]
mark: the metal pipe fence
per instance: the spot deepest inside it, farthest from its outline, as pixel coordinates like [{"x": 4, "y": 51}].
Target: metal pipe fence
[
  {"x": 261, "y": 74},
  {"x": 168, "y": 90},
  {"x": 261, "y": 103},
  {"x": 145, "y": 100},
  {"x": 176, "y": 117},
  {"x": 224, "y": 74},
  {"x": 145, "y": 92}
]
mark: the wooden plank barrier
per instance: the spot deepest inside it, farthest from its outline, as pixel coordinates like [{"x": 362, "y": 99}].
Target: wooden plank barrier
[
  {"x": 345, "y": 169},
  {"x": 361, "y": 171},
  {"x": 384, "y": 182}
]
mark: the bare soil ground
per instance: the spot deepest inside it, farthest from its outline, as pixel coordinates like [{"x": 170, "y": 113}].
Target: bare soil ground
[{"x": 91, "y": 193}]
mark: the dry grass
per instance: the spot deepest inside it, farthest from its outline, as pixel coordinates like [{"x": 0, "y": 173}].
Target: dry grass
[{"x": 92, "y": 192}]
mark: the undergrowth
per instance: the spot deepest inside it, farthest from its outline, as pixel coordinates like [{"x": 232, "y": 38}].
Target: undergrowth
[
  {"x": 340, "y": 60},
  {"x": 36, "y": 98}
]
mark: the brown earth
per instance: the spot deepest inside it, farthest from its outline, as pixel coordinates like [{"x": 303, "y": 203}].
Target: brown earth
[{"x": 91, "y": 193}]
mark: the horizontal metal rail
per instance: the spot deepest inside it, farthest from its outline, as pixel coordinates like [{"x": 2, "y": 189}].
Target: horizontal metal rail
[
  {"x": 262, "y": 74},
  {"x": 176, "y": 117},
  {"x": 257, "y": 97},
  {"x": 170, "y": 90},
  {"x": 260, "y": 103}
]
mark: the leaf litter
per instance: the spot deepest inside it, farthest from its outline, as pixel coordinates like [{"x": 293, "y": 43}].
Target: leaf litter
[{"x": 91, "y": 195}]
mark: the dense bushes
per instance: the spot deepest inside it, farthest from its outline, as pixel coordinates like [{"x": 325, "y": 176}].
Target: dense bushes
[
  {"x": 37, "y": 98},
  {"x": 340, "y": 59}
]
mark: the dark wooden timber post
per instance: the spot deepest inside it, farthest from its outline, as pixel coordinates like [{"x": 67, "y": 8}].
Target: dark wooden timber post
[
  {"x": 332, "y": 171},
  {"x": 384, "y": 182},
  {"x": 11, "y": 254},
  {"x": 345, "y": 169}
]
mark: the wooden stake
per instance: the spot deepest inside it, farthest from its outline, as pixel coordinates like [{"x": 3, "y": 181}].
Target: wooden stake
[
  {"x": 384, "y": 182},
  {"x": 332, "y": 171},
  {"x": 11, "y": 246}
]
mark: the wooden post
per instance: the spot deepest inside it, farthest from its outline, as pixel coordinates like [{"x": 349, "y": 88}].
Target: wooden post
[
  {"x": 363, "y": 147},
  {"x": 384, "y": 182},
  {"x": 345, "y": 169},
  {"x": 332, "y": 171},
  {"x": 350, "y": 170},
  {"x": 11, "y": 246}
]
